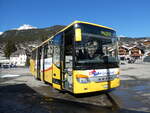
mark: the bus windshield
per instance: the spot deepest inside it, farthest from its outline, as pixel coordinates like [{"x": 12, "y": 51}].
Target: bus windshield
[{"x": 96, "y": 51}]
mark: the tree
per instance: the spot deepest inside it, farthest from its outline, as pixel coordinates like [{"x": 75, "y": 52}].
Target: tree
[{"x": 9, "y": 48}]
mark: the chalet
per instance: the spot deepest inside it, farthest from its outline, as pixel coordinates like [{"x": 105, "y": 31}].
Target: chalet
[
  {"x": 146, "y": 42},
  {"x": 123, "y": 52},
  {"x": 131, "y": 52},
  {"x": 136, "y": 52}
]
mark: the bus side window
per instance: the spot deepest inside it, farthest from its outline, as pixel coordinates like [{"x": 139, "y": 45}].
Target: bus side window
[
  {"x": 45, "y": 51},
  {"x": 42, "y": 52},
  {"x": 57, "y": 41},
  {"x": 49, "y": 50}
]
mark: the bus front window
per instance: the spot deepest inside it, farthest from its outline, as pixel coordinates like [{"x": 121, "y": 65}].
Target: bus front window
[{"x": 96, "y": 52}]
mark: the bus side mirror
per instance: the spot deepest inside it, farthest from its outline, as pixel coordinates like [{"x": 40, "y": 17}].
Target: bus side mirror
[{"x": 78, "y": 36}]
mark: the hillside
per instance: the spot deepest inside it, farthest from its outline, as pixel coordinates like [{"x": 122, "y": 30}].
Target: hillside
[
  {"x": 27, "y": 39},
  {"x": 131, "y": 40},
  {"x": 30, "y": 34}
]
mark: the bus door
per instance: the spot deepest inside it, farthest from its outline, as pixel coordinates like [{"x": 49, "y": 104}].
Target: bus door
[
  {"x": 56, "y": 76},
  {"x": 38, "y": 63},
  {"x": 68, "y": 61}
]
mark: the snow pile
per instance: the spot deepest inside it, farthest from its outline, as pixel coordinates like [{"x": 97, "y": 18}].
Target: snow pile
[
  {"x": 25, "y": 27},
  {"x": 9, "y": 75}
]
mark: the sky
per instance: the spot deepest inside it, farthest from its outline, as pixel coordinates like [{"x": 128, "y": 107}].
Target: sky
[{"x": 129, "y": 18}]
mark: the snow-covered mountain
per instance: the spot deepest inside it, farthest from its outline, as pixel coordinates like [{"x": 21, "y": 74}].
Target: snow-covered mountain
[
  {"x": 25, "y": 27},
  {"x": 1, "y": 33}
]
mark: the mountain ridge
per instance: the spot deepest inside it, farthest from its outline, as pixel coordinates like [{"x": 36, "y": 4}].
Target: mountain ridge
[{"x": 30, "y": 34}]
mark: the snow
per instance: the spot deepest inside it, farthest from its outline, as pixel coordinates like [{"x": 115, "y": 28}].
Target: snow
[
  {"x": 9, "y": 75},
  {"x": 25, "y": 27},
  {"x": 1, "y": 33}
]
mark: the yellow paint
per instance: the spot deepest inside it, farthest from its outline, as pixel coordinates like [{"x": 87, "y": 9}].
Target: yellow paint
[
  {"x": 48, "y": 76},
  {"x": 57, "y": 86},
  {"x": 92, "y": 86},
  {"x": 75, "y": 22},
  {"x": 56, "y": 71},
  {"x": 32, "y": 67}
]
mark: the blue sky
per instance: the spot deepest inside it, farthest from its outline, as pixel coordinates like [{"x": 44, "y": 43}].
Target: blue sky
[{"x": 128, "y": 17}]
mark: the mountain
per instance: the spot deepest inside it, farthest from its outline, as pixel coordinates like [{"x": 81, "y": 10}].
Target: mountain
[
  {"x": 23, "y": 33},
  {"x": 129, "y": 40},
  {"x": 27, "y": 37}
]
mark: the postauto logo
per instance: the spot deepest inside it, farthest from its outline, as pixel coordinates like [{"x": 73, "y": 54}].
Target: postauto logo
[{"x": 100, "y": 73}]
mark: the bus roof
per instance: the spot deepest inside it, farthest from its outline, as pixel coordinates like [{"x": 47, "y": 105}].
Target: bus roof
[{"x": 75, "y": 22}]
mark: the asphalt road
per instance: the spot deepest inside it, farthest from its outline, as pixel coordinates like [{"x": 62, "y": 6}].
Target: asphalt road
[
  {"x": 134, "y": 92},
  {"x": 21, "y": 93}
]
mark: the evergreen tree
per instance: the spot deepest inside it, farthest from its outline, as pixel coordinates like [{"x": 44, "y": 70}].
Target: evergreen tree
[{"x": 9, "y": 48}]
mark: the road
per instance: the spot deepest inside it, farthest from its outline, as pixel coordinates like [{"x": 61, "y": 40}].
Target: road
[
  {"x": 21, "y": 93},
  {"x": 134, "y": 92}
]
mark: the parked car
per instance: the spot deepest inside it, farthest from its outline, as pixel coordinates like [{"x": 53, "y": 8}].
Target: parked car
[{"x": 6, "y": 65}]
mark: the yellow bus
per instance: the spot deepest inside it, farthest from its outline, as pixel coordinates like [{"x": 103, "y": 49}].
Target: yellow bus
[{"x": 81, "y": 58}]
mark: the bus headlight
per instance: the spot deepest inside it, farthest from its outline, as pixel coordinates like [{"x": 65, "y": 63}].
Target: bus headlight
[{"x": 82, "y": 78}]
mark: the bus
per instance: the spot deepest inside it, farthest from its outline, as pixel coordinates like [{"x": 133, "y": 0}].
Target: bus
[{"x": 81, "y": 58}]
